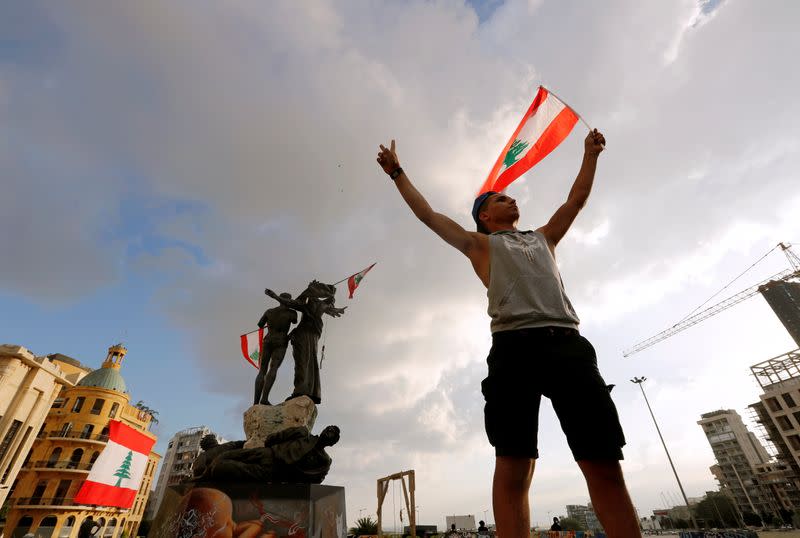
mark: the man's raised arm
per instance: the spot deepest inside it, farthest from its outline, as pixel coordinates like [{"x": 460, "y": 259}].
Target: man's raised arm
[
  {"x": 563, "y": 218},
  {"x": 290, "y": 303},
  {"x": 444, "y": 226}
]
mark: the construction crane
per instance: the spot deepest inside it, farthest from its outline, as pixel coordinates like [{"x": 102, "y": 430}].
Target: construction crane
[{"x": 695, "y": 318}]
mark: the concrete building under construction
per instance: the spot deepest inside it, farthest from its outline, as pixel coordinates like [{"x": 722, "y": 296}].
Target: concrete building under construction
[{"x": 743, "y": 464}]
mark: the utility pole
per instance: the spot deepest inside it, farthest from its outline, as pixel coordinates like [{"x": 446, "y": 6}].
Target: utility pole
[{"x": 639, "y": 381}]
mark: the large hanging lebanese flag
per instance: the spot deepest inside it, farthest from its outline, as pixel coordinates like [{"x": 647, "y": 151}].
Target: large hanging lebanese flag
[
  {"x": 545, "y": 125},
  {"x": 251, "y": 346},
  {"x": 354, "y": 280},
  {"x": 117, "y": 474}
]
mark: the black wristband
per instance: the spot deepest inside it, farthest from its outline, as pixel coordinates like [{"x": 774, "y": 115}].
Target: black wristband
[{"x": 396, "y": 173}]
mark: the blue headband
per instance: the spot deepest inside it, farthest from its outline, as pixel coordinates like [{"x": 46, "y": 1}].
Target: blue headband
[{"x": 477, "y": 205}]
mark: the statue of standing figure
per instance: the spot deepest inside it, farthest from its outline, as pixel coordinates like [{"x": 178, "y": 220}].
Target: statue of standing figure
[
  {"x": 317, "y": 299},
  {"x": 273, "y": 349}
]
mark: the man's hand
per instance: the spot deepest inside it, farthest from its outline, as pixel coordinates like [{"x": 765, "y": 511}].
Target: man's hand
[
  {"x": 387, "y": 158},
  {"x": 271, "y": 293},
  {"x": 595, "y": 142}
]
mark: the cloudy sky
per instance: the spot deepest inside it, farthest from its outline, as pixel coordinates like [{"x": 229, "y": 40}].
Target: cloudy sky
[{"x": 162, "y": 163}]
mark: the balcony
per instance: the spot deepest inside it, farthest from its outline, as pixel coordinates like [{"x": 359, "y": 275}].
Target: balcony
[
  {"x": 59, "y": 465},
  {"x": 45, "y": 501},
  {"x": 100, "y": 437}
]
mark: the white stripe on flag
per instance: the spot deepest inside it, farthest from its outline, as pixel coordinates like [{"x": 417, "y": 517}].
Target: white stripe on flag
[
  {"x": 536, "y": 125},
  {"x": 109, "y": 462}
]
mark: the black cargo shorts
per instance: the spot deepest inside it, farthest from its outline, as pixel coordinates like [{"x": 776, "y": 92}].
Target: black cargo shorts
[{"x": 559, "y": 363}]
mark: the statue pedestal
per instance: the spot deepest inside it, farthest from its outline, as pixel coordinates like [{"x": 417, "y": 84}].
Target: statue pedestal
[
  {"x": 260, "y": 421},
  {"x": 275, "y": 509}
]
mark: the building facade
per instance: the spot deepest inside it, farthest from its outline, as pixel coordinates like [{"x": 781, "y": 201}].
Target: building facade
[
  {"x": 178, "y": 462},
  {"x": 71, "y": 439},
  {"x": 744, "y": 466},
  {"x": 29, "y": 386}
]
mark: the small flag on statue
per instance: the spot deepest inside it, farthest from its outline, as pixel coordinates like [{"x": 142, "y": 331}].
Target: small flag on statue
[
  {"x": 251, "y": 346},
  {"x": 117, "y": 473},
  {"x": 355, "y": 280},
  {"x": 545, "y": 125}
]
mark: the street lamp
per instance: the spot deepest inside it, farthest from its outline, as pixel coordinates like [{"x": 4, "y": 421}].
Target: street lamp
[{"x": 639, "y": 381}]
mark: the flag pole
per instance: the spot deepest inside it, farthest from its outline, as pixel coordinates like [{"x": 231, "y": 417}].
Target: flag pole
[{"x": 568, "y": 106}]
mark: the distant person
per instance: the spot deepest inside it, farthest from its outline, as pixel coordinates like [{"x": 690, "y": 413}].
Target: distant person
[
  {"x": 452, "y": 531},
  {"x": 482, "y": 528},
  {"x": 88, "y": 528},
  {"x": 536, "y": 349},
  {"x": 556, "y": 526}
]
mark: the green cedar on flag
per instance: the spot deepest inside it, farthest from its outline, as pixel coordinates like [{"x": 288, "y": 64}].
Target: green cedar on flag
[
  {"x": 124, "y": 470},
  {"x": 355, "y": 280}
]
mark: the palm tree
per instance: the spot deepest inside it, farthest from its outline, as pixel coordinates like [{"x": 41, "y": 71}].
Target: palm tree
[{"x": 365, "y": 526}]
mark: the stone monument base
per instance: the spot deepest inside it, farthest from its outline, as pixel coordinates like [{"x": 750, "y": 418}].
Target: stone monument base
[
  {"x": 260, "y": 421},
  {"x": 217, "y": 510}
]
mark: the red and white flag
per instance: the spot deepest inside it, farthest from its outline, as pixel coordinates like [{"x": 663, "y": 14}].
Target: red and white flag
[
  {"x": 354, "y": 280},
  {"x": 251, "y": 346},
  {"x": 545, "y": 125},
  {"x": 117, "y": 473}
]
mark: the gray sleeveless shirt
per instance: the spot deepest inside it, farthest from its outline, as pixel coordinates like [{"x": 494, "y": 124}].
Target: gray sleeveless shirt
[{"x": 525, "y": 287}]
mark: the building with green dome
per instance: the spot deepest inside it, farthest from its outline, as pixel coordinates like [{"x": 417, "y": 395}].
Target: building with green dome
[{"x": 71, "y": 439}]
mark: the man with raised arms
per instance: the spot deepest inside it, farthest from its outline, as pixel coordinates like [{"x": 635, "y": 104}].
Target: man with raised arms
[{"x": 536, "y": 350}]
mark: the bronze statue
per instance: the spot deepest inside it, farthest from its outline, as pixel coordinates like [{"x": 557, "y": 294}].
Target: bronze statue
[
  {"x": 317, "y": 299},
  {"x": 211, "y": 449},
  {"x": 278, "y": 321},
  {"x": 293, "y": 455}
]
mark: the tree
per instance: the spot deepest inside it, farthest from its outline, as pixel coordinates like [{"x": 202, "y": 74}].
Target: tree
[
  {"x": 751, "y": 519},
  {"x": 365, "y": 526},
  {"x": 571, "y": 524},
  {"x": 124, "y": 470},
  {"x": 717, "y": 510}
]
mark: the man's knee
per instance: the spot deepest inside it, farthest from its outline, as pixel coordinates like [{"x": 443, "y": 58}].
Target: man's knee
[
  {"x": 606, "y": 471},
  {"x": 513, "y": 474}
]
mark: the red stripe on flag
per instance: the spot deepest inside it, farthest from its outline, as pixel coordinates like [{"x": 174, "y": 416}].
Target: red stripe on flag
[
  {"x": 244, "y": 347},
  {"x": 489, "y": 184},
  {"x": 129, "y": 437},
  {"x": 105, "y": 495},
  {"x": 552, "y": 136}
]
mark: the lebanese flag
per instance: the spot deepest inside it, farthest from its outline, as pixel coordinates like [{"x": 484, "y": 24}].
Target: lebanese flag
[
  {"x": 117, "y": 473},
  {"x": 545, "y": 125},
  {"x": 251, "y": 346},
  {"x": 355, "y": 280}
]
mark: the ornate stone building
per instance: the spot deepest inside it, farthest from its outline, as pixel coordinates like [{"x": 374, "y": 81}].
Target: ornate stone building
[
  {"x": 71, "y": 439},
  {"x": 29, "y": 386}
]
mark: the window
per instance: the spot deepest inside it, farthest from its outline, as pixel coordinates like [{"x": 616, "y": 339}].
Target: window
[
  {"x": 114, "y": 409},
  {"x": 17, "y": 452},
  {"x": 86, "y": 433},
  {"x": 66, "y": 428},
  {"x": 789, "y": 400},
  {"x": 796, "y": 416},
  {"x": 95, "y": 455},
  {"x": 54, "y": 457},
  {"x": 79, "y": 404},
  {"x": 794, "y": 440},
  {"x": 75, "y": 459},
  {"x": 9, "y": 437},
  {"x": 773, "y": 404},
  {"x": 98, "y": 406},
  {"x": 784, "y": 423},
  {"x": 62, "y": 489},
  {"x": 58, "y": 403}
]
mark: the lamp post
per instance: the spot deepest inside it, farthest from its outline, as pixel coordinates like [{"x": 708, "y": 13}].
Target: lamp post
[{"x": 639, "y": 381}]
